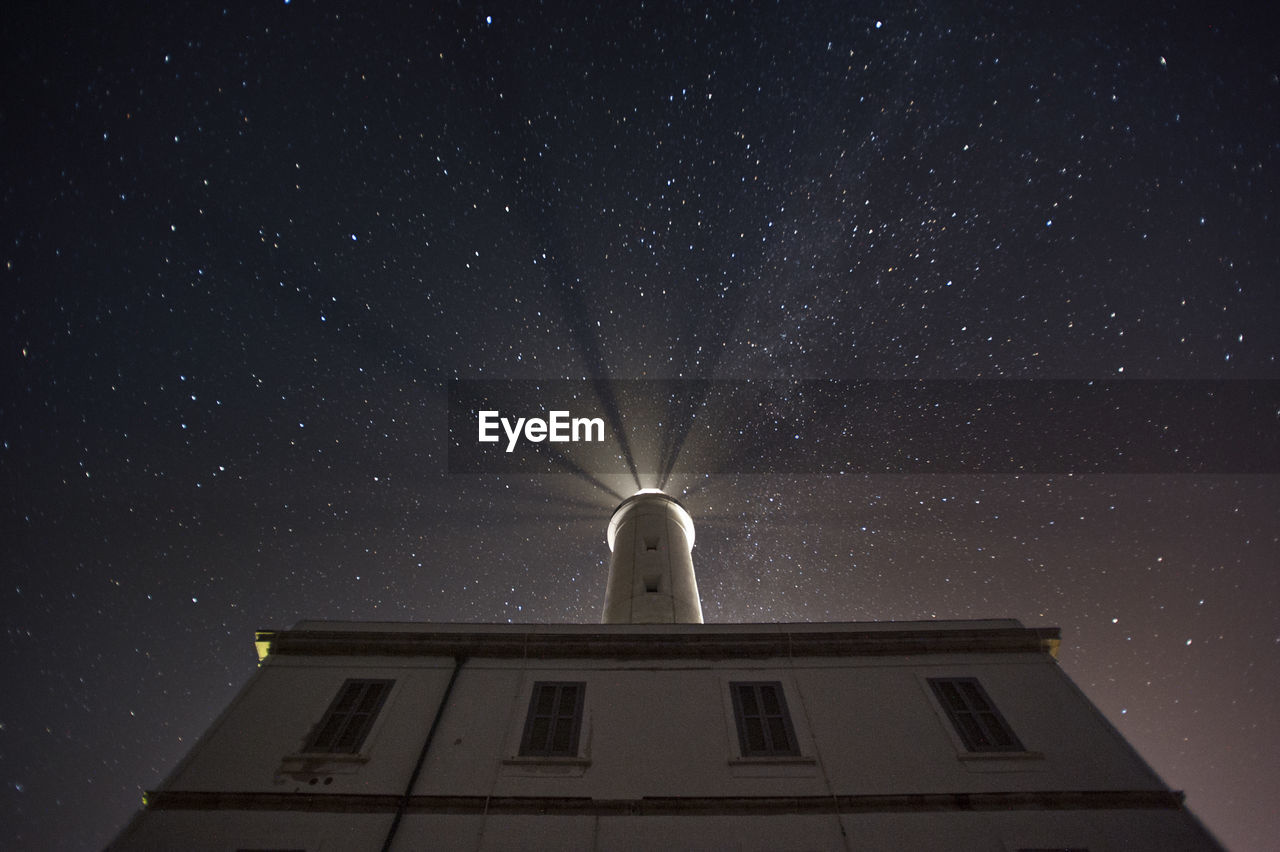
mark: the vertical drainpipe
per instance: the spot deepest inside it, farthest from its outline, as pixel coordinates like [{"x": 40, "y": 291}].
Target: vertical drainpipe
[
  {"x": 422, "y": 756},
  {"x": 822, "y": 766}
]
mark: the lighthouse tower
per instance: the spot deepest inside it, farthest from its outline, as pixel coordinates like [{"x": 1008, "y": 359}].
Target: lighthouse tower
[{"x": 651, "y": 577}]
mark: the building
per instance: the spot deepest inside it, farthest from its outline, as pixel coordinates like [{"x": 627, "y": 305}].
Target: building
[{"x": 655, "y": 731}]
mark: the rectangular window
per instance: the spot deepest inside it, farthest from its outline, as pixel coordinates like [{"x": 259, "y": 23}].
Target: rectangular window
[
  {"x": 555, "y": 717},
  {"x": 764, "y": 725},
  {"x": 975, "y": 718},
  {"x": 347, "y": 721}
]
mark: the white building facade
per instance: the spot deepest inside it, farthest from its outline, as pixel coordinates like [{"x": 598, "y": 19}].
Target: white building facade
[
  {"x": 654, "y": 731},
  {"x": 879, "y": 736}
]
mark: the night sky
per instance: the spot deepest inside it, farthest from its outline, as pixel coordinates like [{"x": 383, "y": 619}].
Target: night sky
[{"x": 246, "y": 249}]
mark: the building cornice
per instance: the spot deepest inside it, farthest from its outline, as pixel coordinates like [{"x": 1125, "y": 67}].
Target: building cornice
[{"x": 688, "y": 642}]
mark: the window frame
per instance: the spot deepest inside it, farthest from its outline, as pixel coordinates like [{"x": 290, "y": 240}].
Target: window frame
[
  {"x": 320, "y": 741},
  {"x": 556, "y": 717},
  {"x": 741, "y": 717},
  {"x": 976, "y": 720}
]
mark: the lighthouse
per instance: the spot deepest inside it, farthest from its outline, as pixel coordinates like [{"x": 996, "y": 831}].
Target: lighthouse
[{"x": 651, "y": 579}]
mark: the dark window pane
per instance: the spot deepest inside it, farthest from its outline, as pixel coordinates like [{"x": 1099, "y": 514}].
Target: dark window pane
[
  {"x": 560, "y": 739},
  {"x": 370, "y": 700},
  {"x": 347, "y": 741},
  {"x": 555, "y": 716},
  {"x": 778, "y": 734},
  {"x": 973, "y": 715},
  {"x": 764, "y": 725},
  {"x": 769, "y": 699},
  {"x": 350, "y": 716},
  {"x": 538, "y": 737},
  {"x": 950, "y": 696},
  {"x": 970, "y": 731},
  {"x": 347, "y": 697},
  {"x": 324, "y": 739},
  {"x": 974, "y": 696},
  {"x": 755, "y": 735}
]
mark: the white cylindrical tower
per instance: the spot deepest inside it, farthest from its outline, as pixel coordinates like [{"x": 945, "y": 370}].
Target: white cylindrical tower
[{"x": 651, "y": 577}]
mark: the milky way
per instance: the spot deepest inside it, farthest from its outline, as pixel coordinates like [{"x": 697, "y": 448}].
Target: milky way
[{"x": 248, "y": 248}]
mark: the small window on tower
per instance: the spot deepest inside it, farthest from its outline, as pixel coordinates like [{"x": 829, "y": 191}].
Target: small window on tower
[
  {"x": 764, "y": 725},
  {"x": 350, "y": 716},
  {"x": 651, "y": 542},
  {"x": 554, "y": 721},
  {"x": 651, "y": 583},
  {"x": 973, "y": 715}
]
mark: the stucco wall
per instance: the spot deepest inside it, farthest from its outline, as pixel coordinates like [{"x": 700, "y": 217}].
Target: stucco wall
[{"x": 658, "y": 729}]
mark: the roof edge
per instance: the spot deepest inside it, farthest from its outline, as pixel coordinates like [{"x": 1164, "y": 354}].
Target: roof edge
[{"x": 775, "y": 641}]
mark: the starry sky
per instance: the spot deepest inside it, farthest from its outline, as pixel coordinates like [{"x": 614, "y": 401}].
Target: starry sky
[{"x": 246, "y": 249}]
